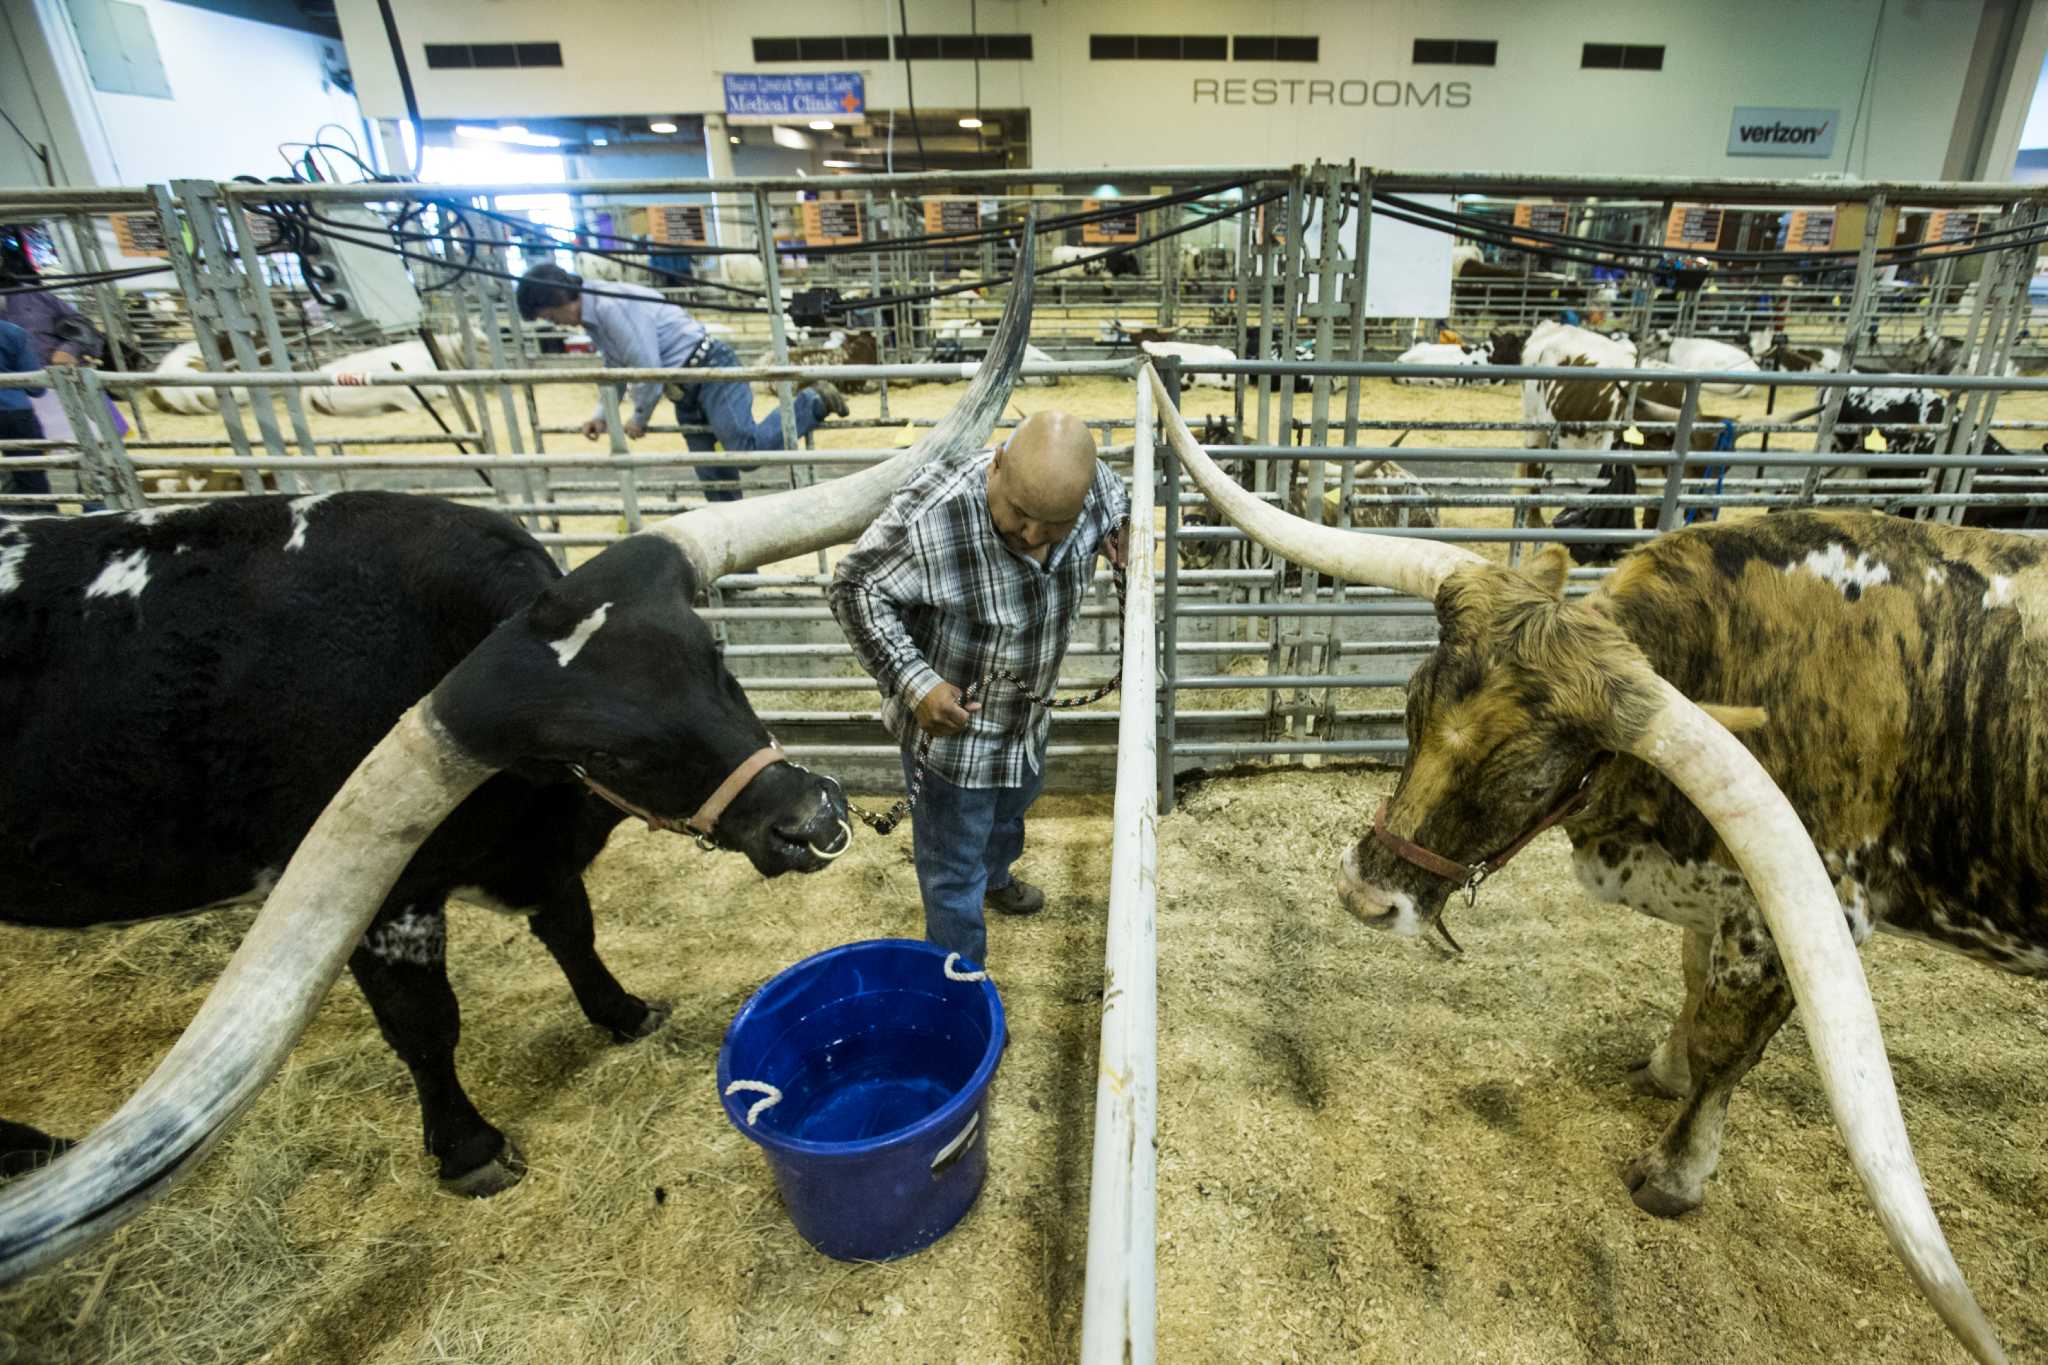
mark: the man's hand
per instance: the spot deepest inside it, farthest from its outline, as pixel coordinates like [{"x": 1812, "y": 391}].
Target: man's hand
[
  {"x": 635, "y": 428},
  {"x": 1117, "y": 545},
  {"x": 593, "y": 429},
  {"x": 940, "y": 712},
  {"x": 60, "y": 356}
]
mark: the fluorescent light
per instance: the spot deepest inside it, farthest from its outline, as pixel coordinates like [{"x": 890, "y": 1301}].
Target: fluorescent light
[
  {"x": 660, "y": 126},
  {"x": 842, "y": 165},
  {"x": 970, "y": 123},
  {"x": 823, "y": 125},
  {"x": 600, "y": 142},
  {"x": 509, "y": 133}
]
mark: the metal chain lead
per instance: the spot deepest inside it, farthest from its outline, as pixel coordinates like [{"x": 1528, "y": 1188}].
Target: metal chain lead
[{"x": 887, "y": 821}]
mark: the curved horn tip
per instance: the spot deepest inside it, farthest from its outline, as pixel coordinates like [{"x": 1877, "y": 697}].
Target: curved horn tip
[
  {"x": 1759, "y": 827},
  {"x": 1405, "y": 564}
]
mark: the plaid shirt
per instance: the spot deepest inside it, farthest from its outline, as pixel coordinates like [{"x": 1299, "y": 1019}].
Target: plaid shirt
[{"x": 931, "y": 594}]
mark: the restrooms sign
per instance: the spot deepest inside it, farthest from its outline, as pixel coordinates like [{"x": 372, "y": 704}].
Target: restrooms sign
[{"x": 1783, "y": 132}]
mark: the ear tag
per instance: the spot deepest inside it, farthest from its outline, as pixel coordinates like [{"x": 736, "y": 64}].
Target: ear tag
[
  {"x": 907, "y": 436},
  {"x": 1875, "y": 443},
  {"x": 1632, "y": 437}
]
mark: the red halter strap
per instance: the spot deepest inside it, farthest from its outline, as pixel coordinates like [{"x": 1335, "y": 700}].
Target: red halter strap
[
  {"x": 706, "y": 819},
  {"x": 1470, "y": 875}
]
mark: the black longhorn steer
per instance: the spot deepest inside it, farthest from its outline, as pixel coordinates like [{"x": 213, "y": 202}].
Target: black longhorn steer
[
  {"x": 606, "y": 676},
  {"x": 186, "y": 689}
]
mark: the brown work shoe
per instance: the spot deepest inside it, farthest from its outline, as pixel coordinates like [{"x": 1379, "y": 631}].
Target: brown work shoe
[
  {"x": 1018, "y": 898},
  {"x": 835, "y": 402}
]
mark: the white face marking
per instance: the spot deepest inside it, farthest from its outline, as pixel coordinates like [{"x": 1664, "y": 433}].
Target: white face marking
[
  {"x": 127, "y": 573},
  {"x": 1833, "y": 565},
  {"x": 568, "y": 647},
  {"x": 412, "y": 937},
  {"x": 1999, "y": 594},
  {"x": 301, "y": 510},
  {"x": 13, "y": 551}
]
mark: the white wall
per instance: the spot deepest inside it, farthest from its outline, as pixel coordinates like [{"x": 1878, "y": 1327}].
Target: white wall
[
  {"x": 1534, "y": 111},
  {"x": 238, "y": 89}
]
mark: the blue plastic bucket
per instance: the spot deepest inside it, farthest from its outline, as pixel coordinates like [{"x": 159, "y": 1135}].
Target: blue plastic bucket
[{"x": 863, "y": 1072}]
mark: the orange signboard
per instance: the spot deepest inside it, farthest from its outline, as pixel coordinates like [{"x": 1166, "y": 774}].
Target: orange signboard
[
  {"x": 1695, "y": 226},
  {"x": 830, "y": 222}
]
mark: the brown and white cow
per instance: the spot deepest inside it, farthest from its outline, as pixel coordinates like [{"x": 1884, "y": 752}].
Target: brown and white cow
[{"x": 1612, "y": 716}]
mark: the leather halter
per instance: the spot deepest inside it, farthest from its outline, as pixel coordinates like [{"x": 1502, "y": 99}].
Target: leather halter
[
  {"x": 1470, "y": 875},
  {"x": 706, "y": 819}
]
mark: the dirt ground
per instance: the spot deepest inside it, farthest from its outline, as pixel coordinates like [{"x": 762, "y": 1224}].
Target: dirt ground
[{"x": 1366, "y": 1152}]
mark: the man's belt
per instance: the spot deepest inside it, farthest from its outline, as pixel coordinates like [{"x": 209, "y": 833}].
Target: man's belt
[{"x": 674, "y": 391}]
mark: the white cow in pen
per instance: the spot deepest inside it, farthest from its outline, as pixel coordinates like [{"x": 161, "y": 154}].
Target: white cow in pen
[
  {"x": 1195, "y": 352},
  {"x": 348, "y": 397},
  {"x": 1703, "y": 353},
  {"x": 341, "y": 399},
  {"x": 1502, "y": 348}
]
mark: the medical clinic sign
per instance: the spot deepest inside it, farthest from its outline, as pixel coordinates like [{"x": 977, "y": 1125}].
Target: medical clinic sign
[
  {"x": 1760, "y": 131},
  {"x": 839, "y": 95}
]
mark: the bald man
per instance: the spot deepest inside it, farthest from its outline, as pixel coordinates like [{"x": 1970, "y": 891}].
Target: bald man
[{"x": 975, "y": 565}]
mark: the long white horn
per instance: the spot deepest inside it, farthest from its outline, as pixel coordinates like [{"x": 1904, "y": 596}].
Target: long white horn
[
  {"x": 1411, "y": 565},
  {"x": 1753, "y": 818},
  {"x": 732, "y": 537},
  {"x": 262, "y": 1003}
]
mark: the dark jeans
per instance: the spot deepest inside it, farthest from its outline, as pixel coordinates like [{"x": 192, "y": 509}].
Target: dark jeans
[
  {"x": 20, "y": 424},
  {"x": 964, "y": 840},
  {"x": 728, "y": 409}
]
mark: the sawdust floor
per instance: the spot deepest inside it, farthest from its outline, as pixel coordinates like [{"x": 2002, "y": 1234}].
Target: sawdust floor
[{"x": 1366, "y": 1152}]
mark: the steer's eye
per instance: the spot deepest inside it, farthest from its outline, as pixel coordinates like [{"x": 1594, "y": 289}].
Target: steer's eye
[{"x": 1534, "y": 793}]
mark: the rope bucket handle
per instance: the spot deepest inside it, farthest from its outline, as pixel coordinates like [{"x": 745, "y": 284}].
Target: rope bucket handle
[
  {"x": 952, "y": 975},
  {"x": 771, "y": 1097}
]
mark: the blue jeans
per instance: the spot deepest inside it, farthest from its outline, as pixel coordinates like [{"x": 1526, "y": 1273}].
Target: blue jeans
[
  {"x": 20, "y": 424},
  {"x": 964, "y": 840},
  {"x": 728, "y": 409}
]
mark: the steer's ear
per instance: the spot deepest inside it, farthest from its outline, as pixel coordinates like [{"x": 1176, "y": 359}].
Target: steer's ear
[
  {"x": 1547, "y": 570},
  {"x": 1736, "y": 719}
]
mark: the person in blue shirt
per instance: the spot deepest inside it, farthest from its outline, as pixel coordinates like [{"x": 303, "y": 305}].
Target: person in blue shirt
[
  {"x": 635, "y": 328},
  {"x": 17, "y": 418}
]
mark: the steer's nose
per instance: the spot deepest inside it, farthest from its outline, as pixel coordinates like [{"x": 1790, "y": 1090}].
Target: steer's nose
[
  {"x": 1379, "y": 906},
  {"x": 819, "y": 826}
]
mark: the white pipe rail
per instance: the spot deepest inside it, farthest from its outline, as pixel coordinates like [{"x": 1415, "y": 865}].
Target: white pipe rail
[{"x": 1119, "y": 1316}]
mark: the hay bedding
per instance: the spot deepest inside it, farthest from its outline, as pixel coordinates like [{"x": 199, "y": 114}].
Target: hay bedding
[{"x": 1366, "y": 1152}]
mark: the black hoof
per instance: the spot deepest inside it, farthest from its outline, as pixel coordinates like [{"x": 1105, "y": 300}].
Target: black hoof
[
  {"x": 495, "y": 1176},
  {"x": 656, "y": 1014}
]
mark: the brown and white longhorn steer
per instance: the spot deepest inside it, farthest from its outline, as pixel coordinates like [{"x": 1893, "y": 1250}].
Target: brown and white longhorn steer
[{"x": 1887, "y": 678}]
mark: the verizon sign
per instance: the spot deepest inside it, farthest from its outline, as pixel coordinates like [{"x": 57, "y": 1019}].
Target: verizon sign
[{"x": 1783, "y": 132}]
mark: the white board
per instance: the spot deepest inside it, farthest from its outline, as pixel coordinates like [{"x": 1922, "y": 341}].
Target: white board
[{"x": 1408, "y": 274}]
